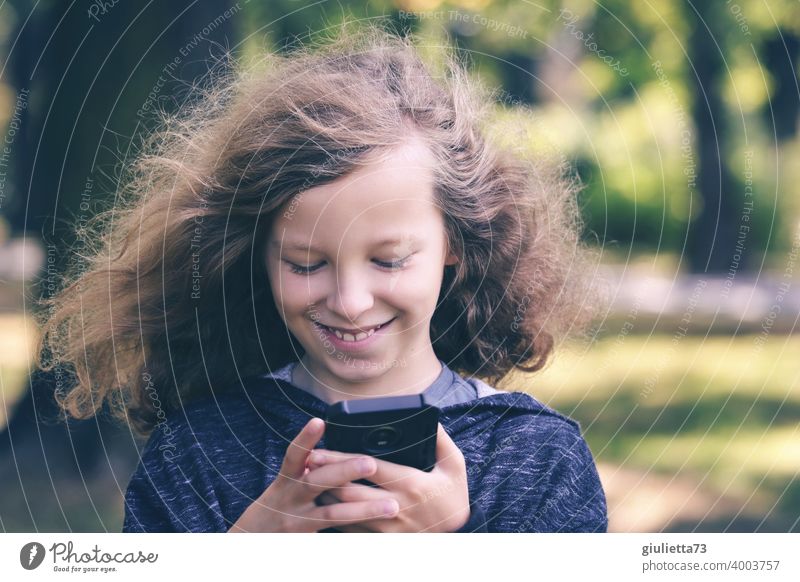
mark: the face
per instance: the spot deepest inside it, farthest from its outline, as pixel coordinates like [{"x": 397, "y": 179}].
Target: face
[{"x": 366, "y": 250}]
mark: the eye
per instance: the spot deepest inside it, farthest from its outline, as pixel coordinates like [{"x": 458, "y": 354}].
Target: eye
[
  {"x": 310, "y": 269},
  {"x": 303, "y": 270},
  {"x": 398, "y": 264}
]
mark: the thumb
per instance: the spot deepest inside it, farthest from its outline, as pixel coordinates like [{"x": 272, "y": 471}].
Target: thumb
[
  {"x": 448, "y": 456},
  {"x": 294, "y": 461}
]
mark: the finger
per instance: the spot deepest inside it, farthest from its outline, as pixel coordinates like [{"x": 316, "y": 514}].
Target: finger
[
  {"x": 326, "y": 498},
  {"x": 353, "y": 513},
  {"x": 356, "y": 492},
  {"x": 336, "y": 475},
  {"x": 294, "y": 461},
  {"x": 448, "y": 456},
  {"x": 387, "y": 473},
  {"x": 351, "y": 492},
  {"x": 392, "y": 476},
  {"x": 322, "y": 456}
]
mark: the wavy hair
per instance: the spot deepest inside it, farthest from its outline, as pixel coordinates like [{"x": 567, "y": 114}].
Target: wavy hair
[{"x": 172, "y": 299}]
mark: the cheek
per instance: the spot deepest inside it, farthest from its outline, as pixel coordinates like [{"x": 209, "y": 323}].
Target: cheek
[
  {"x": 294, "y": 294},
  {"x": 284, "y": 288},
  {"x": 417, "y": 291}
]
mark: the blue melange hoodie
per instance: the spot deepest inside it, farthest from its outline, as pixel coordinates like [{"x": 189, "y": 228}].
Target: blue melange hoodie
[{"x": 528, "y": 467}]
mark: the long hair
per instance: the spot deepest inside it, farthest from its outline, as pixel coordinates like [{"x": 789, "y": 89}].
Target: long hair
[{"x": 172, "y": 299}]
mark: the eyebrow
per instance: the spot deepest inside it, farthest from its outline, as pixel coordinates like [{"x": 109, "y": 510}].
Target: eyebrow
[{"x": 304, "y": 246}]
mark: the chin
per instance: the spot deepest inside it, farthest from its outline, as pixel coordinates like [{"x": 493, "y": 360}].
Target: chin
[{"x": 354, "y": 368}]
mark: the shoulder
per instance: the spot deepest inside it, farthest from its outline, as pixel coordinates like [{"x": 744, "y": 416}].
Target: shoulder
[
  {"x": 532, "y": 466},
  {"x": 520, "y": 406},
  {"x": 536, "y": 431},
  {"x": 191, "y": 459},
  {"x": 515, "y": 427},
  {"x": 200, "y": 426}
]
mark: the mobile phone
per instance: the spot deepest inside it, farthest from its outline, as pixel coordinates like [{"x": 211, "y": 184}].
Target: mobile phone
[{"x": 399, "y": 429}]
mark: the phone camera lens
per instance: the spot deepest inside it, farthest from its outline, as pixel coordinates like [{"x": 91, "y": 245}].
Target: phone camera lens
[{"x": 382, "y": 438}]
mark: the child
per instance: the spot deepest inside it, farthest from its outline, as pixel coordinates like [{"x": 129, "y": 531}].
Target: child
[{"x": 334, "y": 226}]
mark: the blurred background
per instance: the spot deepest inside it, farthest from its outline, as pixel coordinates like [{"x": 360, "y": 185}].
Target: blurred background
[{"x": 681, "y": 119}]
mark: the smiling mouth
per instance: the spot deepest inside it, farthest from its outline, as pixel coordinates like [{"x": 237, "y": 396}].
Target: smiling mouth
[{"x": 354, "y": 335}]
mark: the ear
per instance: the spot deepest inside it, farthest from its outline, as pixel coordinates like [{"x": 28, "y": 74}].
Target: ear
[{"x": 451, "y": 259}]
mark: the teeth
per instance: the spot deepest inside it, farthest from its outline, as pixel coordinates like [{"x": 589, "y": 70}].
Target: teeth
[{"x": 348, "y": 337}]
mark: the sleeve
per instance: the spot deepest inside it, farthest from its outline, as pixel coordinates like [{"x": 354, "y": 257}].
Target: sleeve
[
  {"x": 573, "y": 499},
  {"x": 144, "y": 508},
  {"x": 171, "y": 492},
  {"x": 477, "y": 517},
  {"x": 151, "y": 490},
  {"x": 476, "y": 522}
]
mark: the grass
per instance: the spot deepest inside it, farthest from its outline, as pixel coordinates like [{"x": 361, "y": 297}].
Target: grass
[{"x": 722, "y": 411}]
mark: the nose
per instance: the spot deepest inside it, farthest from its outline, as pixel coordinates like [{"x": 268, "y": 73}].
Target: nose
[{"x": 350, "y": 297}]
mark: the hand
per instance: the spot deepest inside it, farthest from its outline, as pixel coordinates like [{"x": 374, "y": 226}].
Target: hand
[
  {"x": 435, "y": 501},
  {"x": 287, "y": 505}
]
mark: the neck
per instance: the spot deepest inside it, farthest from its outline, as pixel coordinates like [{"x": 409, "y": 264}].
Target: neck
[{"x": 351, "y": 382}]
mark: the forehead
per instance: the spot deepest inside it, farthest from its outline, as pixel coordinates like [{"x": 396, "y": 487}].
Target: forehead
[{"x": 387, "y": 197}]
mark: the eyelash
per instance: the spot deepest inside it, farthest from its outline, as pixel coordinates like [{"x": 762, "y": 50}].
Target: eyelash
[{"x": 301, "y": 270}]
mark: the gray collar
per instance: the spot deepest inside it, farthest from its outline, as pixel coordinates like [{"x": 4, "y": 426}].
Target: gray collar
[{"x": 449, "y": 388}]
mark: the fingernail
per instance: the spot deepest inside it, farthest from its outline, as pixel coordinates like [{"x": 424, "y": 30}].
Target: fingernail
[
  {"x": 317, "y": 458},
  {"x": 390, "y": 507},
  {"x": 365, "y": 466}
]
